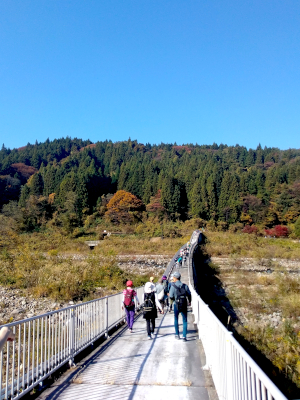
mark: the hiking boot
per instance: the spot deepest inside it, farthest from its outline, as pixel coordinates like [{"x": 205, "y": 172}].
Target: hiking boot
[
  {"x": 184, "y": 339},
  {"x": 177, "y": 337}
]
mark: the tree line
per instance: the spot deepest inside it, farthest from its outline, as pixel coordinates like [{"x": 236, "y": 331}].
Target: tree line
[{"x": 67, "y": 180}]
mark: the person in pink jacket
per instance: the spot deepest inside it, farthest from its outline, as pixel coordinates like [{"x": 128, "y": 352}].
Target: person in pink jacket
[{"x": 129, "y": 297}]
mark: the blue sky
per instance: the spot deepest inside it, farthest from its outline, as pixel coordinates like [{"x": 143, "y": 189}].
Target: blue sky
[{"x": 156, "y": 71}]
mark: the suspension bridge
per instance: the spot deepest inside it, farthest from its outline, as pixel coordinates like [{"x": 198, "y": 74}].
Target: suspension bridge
[{"x": 211, "y": 365}]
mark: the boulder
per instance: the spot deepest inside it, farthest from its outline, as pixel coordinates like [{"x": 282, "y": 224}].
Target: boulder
[{"x": 156, "y": 239}]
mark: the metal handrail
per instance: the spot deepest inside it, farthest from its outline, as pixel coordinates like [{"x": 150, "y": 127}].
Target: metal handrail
[
  {"x": 46, "y": 342},
  {"x": 235, "y": 374},
  {"x": 172, "y": 263}
]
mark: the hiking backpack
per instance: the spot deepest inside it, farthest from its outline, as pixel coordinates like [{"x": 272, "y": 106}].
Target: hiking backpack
[
  {"x": 128, "y": 298},
  {"x": 181, "y": 297},
  {"x": 149, "y": 305}
]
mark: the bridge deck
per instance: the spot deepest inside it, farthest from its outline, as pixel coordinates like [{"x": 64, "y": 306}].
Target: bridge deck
[{"x": 133, "y": 367}]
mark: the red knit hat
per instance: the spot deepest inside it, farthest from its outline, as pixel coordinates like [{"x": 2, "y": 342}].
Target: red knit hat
[{"x": 129, "y": 283}]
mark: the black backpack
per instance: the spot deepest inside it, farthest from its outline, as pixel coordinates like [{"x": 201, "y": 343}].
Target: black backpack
[
  {"x": 181, "y": 297},
  {"x": 149, "y": 304}
]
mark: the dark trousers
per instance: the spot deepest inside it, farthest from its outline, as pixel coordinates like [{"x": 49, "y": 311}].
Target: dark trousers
[{"x": 150, "y": 329}]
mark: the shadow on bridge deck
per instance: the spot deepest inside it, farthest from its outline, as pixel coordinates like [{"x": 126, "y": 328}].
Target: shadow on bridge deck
[{"x": 133, "y": 367}]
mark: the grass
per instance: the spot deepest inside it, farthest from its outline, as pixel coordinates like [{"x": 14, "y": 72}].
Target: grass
[
  {"x": 240, "y": 262},
  {"x": 245, "y": 245},
  {"x": 53, "y": 265}
]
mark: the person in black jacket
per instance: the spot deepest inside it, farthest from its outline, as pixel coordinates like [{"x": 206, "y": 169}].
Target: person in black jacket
[{"x": 150, "y": 310}]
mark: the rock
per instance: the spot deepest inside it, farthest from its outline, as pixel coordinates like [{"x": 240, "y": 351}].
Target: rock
[
  {"x": 17, "y": 311},
  {"x": 156, "y": 239},
  {"x": 71, "y": 302}
]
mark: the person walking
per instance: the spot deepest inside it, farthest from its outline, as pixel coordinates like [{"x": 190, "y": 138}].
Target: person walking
[
  {"x": 179, "y": 262},
  {"x": 153, "y": 284},
  {"x": 129, "y": 298},
  {"x": 6, "y": 335},
  {"x": 166, "y": 290},
  {"x": 160, "y": 290},
  {"x": 170, "y": 301},
  {"x": 165, "y": 280},
  {"x": 181, "y": 294},
  {"x": 150, "y": 310}
]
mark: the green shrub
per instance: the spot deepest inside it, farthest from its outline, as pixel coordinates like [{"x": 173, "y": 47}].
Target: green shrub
[{"x": 297, "y": 228}]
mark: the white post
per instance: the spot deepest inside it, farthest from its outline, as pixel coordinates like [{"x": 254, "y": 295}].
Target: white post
[
  {"x": 106, "y": 317},
  {"x": 230, "y": 366},
  {"x": 72, "y": 337},
  {"x": 206, "y": 338}
]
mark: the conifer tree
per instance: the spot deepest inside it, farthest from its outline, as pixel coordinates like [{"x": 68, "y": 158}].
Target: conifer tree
[
  {"x": 36, "y": 185},
  {"x": 297, "y": 227},
  {"x": 25, "y": 193},
  {"x": 197, "y": 206}
]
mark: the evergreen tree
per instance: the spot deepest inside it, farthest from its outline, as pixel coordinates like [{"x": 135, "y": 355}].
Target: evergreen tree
[
  {"x": 25, "y": 193},
  {"x": 297, "y": 227},
  {"x": 36, "y": 185}
]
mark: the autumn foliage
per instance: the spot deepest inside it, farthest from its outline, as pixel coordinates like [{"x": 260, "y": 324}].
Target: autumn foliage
[
  {"x": 250, "y": 229},
  {"x": 124, "y": 207},
  {"x": 155, "y": 206},
  {"x": 278, "y": 231},
  {"x": 25, "y": 170}
]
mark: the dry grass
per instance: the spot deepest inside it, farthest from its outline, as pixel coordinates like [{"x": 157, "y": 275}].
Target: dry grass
[
  {"x": 133, "y": 244},
  {"x": 63, "y": 278},
  {"x": 268, "y": 305},
  {"x": 262, "y": 282},
  {"x": 64, "y": 268},
  {"x": 245, "y": 245},
  {"x": 54, "y": 243}
]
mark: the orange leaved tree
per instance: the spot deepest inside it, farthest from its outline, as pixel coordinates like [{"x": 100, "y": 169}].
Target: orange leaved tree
[{"x": 124, "y": 207}]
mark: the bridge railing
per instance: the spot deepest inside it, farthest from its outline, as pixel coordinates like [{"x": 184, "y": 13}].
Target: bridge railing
[
  {"x": 47, "y": 342},
  {"x": 235, "y": 374},
  {"x": 172, "y": 263}
]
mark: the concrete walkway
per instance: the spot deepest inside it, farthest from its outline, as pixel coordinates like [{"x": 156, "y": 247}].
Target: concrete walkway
[{"x": 133, "y": 367}]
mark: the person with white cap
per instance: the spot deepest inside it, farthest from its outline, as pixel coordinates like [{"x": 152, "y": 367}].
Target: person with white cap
[{"x": 150, "y": 310}]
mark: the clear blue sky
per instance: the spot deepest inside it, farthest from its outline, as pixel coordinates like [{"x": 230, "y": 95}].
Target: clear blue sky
[{"x": 187, "y": 71}]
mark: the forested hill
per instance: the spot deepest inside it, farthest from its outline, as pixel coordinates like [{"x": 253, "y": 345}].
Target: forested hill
[{"x": 220, "y": 183}]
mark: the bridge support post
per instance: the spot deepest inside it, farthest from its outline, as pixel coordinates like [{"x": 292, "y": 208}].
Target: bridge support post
[
  {"x": 229, "y": 363},
  {"x": 106, "y": 317},
  {"x": 72, "y": 337},
  {"x": 206, "y": 337},
  {"x": 195, "y": 310}
]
